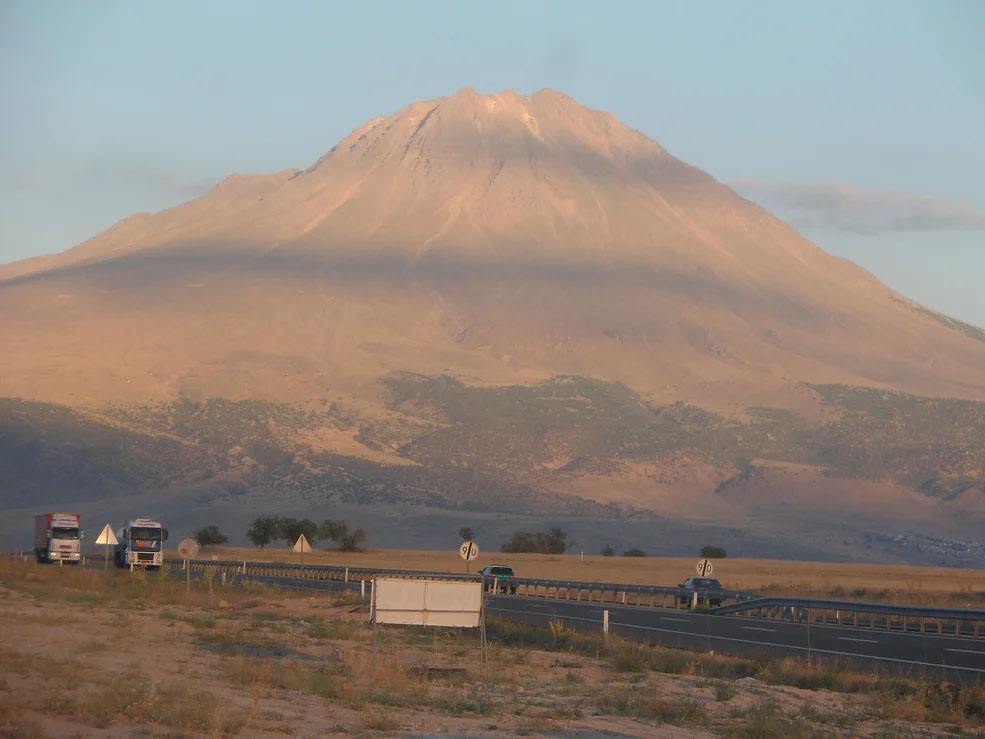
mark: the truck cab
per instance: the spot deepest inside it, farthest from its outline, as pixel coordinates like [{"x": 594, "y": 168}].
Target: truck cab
[
  {"x": 57, "y": 537},
  {"x": 140, "y": 543}
]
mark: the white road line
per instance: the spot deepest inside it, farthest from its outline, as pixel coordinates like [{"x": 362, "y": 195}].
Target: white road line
[
  {"x": 816, "y": 650},
  {"x": 754, "y": 628},
  {"x": 682, "y": 620},
  {"x": 966, "y": 651},
  {"x": 848, "y": 638}
]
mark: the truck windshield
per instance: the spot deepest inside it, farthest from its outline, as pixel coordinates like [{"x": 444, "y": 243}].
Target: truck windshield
[
  {"x": 64, "y": 533},
  {"x": 145, "y": 532}
]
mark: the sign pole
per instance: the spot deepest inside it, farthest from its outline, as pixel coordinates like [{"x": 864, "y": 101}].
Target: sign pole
[
  {"x": 106, "y": 557},
  {"x": 372, "y": 610}
]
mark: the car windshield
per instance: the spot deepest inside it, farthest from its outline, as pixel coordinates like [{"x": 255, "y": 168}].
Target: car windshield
[
  {"x": 64, "y": 533},
  {"x": 501, "y": 571},
  {"x": 705, "y": 582},
  {"x": 145, "y": 532}
]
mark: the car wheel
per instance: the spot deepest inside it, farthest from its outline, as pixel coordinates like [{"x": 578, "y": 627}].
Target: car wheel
[{"x": 513, "y": 590}]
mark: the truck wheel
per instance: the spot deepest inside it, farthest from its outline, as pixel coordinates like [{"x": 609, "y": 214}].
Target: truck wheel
[
  {"x": 37, "y": 556},
  {"x": 513, "y": 590}
]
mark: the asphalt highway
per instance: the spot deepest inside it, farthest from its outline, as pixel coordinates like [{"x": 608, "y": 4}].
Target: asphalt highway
[{"x": 956, "y": 658}]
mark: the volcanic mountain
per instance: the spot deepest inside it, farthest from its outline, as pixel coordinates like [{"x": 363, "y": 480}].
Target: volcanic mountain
[{"x": 465, "y": 244}]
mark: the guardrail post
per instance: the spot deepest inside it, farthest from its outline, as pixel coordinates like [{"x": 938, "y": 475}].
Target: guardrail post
[{"x": 347, "y": 574}]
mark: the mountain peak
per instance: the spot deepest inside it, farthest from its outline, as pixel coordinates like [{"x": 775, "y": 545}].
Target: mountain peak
[{"x": 497, "y": 236}]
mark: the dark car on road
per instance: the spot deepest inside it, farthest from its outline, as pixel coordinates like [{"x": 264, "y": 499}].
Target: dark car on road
[
  {"x": 498, "y": 578},
  {"x": 710, "y": 591}
]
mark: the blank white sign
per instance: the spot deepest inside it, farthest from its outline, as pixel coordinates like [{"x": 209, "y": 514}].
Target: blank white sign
[{"x": 427, "y": 602}]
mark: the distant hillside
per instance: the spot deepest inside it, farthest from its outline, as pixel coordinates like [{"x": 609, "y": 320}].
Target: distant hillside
[{"x": 452, "y": 445}]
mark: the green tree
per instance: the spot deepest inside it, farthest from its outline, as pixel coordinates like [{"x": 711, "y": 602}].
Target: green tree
[
  {"x": 466, "y": 533},
  {"x": 634, "y": 552},
  {"x": 608, "y": 551},
  {"x": 208, "y": 536},
  {"x": 554, "y": 541},
  {"x": 292, "y": 528},
  {"x": 338, "y": 531},
  {"x": 264, "y": 530},
  {"x": 713, "y": 552}
]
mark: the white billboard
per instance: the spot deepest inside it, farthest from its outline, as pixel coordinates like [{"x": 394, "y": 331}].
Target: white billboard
[{"x": 427, "y": 602}]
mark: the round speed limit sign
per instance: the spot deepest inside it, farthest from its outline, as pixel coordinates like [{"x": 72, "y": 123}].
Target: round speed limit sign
[
  {"x": 188, "y": 548},
  {"x": 705, "y": 567},
  {"x": 468, "y": 551}
]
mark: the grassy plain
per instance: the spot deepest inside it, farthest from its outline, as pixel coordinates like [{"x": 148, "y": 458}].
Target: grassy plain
[
  {"x": 93, "y": 653},
  {"x": 847, "y": 581}
]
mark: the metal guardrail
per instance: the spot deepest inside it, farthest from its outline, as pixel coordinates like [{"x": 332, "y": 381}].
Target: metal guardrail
[
  {"x": 622, "y": 593},
  {"x": 886, "y": 616}
]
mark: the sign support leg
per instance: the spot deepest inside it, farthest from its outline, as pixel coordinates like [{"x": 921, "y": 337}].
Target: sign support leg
[{"x": 372, "y": 618}]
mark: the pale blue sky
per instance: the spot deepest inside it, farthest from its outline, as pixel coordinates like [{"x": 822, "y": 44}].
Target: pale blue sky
[{"x": 861, "y": 123}]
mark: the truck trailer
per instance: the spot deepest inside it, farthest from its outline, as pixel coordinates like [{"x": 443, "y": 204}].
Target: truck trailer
[
  {"x": 57, "y": 537},
  {"x": 140, "y": 543}
]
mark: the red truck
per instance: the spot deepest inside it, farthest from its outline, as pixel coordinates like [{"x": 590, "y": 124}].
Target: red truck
[{"x": 57, "y": 537}]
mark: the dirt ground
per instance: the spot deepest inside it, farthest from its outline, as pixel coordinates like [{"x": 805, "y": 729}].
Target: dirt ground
[
  {"x": 87, "y": 653},
  {"x": 891, "y": 583}
]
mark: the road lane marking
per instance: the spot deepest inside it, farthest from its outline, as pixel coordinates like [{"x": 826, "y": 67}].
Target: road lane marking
[
  {"x": 793, "y": 647},
  {"x": 756, "y": 628},
  {"x": 966, "y": 651},
  {"x": 682, "y": 620},
  {"x": 867, "y": 641}
]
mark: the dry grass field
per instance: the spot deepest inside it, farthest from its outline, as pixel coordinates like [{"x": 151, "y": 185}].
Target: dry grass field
[
  {"x": 889, "y": 583},
  {"x": 90, "y": 653}
]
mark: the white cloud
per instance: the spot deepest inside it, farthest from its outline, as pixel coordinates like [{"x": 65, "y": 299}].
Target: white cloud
[{"x": 840, "y": 206}]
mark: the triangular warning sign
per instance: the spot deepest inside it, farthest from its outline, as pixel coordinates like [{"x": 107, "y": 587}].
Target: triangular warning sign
[
  {"x": 106, "y": 536},
  {"x": 302, "y": 545}
]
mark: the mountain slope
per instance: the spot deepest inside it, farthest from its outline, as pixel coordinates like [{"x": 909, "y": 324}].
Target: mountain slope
[{"x": 440, "y": 266}]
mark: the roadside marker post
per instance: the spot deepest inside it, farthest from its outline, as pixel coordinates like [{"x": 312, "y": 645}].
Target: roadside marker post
[{"x": 605, "y": 622}]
